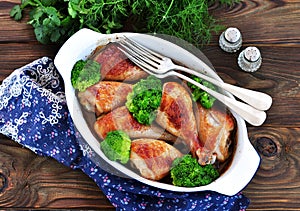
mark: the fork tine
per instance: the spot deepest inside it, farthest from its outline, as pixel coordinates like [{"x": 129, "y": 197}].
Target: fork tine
[
  {"x": 133, "y": 56},
  {"x": 144, "y": 51},
  {"x": 145, "y": 56}
]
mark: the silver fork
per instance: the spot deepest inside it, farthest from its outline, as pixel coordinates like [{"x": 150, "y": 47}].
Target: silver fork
[{"x": 161, "y": 66}]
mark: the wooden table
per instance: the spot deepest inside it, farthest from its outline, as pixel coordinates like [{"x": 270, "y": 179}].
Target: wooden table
[{"x": 30, "y": 181}]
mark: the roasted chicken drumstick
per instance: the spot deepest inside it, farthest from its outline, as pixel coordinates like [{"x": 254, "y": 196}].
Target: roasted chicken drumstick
[
  {"x": 115, "y": 66},
  {"x": 153, "y": 158},
  {"x": 104, "y": 96},
  {"x": 175, "y": 114},
  {"x": 215, "y": 127},
  {"x": 121, "y": 119}
]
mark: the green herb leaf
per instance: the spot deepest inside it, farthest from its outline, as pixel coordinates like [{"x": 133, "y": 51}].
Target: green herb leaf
[
  {"x": 53, "y": 15},
  {"x": 72, "y": 10},
  {"x": 48, "y": 3},
  {"x": 16, "y": 12},
  {"x": 41, "y": 34},
  {"x": 55, "y": 35}
]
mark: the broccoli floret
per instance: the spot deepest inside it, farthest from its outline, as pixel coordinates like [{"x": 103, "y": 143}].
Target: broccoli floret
[
  {"x": 186, "y": 172},
  {"x": 144, "y": 99},
  {"x": 116, "y": 146},
  {"x": 85, "y": 74},
  {"x": 201, "y": 96}
]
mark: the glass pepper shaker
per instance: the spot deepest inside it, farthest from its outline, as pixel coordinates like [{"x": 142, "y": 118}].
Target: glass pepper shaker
[
  {"x": 250, "y": 59},
  {"x": 230, "y": 40}
]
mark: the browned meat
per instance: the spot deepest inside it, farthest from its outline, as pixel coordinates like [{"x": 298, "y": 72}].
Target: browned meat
[
  {"x": 215, "y": 127},
  {"x": 115, "y": 65},
  {"x": 121, "y": 119},
  {"x": 176, "y": 115},
  {"x": 153, "y": 158},
  {"x": 104, "y": 96}
]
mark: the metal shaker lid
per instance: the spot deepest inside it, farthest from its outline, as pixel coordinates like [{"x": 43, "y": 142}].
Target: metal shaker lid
[{"x": 232, "y": 34}]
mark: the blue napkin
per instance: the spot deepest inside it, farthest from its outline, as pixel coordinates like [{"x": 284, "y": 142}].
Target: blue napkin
[{"x": 33, "y": 112}]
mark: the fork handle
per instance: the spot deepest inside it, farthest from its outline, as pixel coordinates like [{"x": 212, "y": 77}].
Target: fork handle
[
  {"x": 250, "y": 114},
  {"x": 256, "y": 99}
]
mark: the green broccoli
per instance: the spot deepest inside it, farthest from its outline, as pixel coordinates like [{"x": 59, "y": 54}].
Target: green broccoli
[
  {"x": 85, "y": 74},
  {"x": 116, "y": 146},
  {"x": 144, "y": 99},
  {"x": 201, "y": 96},
  {"x": 186, "y": 172}
]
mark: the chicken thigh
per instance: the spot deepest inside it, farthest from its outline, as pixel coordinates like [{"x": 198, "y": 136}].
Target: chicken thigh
[
  {"x": 104, "y": 96},
  {"x": 121, "y": 119},
  {"x": 153, "y": 158},
  {"x": 115, "y": 65}
]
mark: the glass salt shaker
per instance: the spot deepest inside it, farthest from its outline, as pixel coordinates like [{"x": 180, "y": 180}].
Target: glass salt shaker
[
  {"x": 250, "y": 59},
  {"x": 230, "y": 40}
]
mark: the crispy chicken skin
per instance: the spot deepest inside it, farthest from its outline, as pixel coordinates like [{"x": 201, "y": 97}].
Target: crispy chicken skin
[
  {"x": 104, "y": 96},
  {"x": 153, "y": 158},
  {"x": 121, "y": 119},
  {"x": 115, "y": 65},
  {"x": 176, "y": 115},
  {"x": 215, "y": 127}
]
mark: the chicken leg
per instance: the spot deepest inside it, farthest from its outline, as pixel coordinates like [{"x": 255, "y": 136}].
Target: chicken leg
[{"x": 175, "y": 114}]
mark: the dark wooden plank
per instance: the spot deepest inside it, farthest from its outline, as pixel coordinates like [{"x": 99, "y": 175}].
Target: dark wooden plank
[
  {"x": 28, "y": 181},
  {"x": 12, "y": 31},
  {"x": 263, "y": 22},
  {"x": 18, "y": 45},
  {"x": 276, "y": 185}
]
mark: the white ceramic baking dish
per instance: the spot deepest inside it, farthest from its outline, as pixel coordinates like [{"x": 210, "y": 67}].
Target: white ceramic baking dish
[{"x": 245, "y": 161}]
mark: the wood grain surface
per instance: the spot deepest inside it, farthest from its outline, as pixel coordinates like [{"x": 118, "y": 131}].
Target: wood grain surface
[{"x": 28, "y": 181}]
